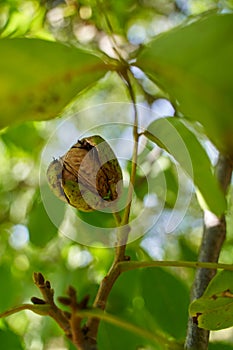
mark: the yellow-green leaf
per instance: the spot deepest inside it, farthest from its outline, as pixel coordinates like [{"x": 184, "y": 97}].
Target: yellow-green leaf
[
  {"x": 39, "y": 78},
  {"x": 214, "y": 310}
]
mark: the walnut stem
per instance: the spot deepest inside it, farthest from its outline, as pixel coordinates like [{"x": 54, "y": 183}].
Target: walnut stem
[{"x": 123, "y": 229}]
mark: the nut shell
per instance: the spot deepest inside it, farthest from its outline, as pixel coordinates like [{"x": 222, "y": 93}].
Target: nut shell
[{"x": 88, "y": 176}]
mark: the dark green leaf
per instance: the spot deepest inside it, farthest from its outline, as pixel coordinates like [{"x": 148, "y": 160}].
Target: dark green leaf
[
  {"x": 126, "y": 301},
  {"x": 39, "y": 78},
  {"x": 97, "y": 218},
  {"x": 10, "y": 340},
  {"x": 218, "y": 346},
  {"x": 173, "y": 136},
  {"x": 126, "y": 288},
  {"x": 196, "y": 70},
  {"x": 41, "y": 229},
  {"x": 114, "y": 338},
  {"x": 172, "y": 186},
  {"x": 167, "y": 299},
  {"x": 7, "y": 290},
  {"x": 187, "y": 250}
]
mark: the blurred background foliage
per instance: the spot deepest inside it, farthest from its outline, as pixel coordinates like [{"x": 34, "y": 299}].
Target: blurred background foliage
[{"x": 29, "y": 241}]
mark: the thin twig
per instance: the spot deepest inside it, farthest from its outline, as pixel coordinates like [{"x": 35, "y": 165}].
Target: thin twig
[
  {"x": 123, "y": 230},
  {"x": 108, "y": 28},
  {"x": 132, "y": 265},
  {"x": 213, "y": 237},
  {"x": 54, "y": 312},
  {"x": 38, "y": 309},
  {"x": 125, "y": 219}
]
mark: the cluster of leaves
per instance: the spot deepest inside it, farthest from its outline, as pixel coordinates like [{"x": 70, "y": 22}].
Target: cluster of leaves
[{"x": 38, "y": 80}]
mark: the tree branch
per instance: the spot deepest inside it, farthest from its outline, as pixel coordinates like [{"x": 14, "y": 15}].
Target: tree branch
[
  {"x": 214, "y": 234},
  {"x": 54, "y": 312}
]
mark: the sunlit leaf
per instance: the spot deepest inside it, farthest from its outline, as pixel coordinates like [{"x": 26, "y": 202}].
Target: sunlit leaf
[
  {"x": 23, "y": 136},
  {"x": 214, "y": 310},
  {"x": 39, "y": 78},
  {"x": 173, "y": 136},
  {"x": 194, "y": 65}
]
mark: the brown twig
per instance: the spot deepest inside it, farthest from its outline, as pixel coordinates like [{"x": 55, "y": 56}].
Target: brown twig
[
  {"x": 213, "y": 237},
  {"x": 54, "y": 312},
  {"x": 70, "y": 322}
]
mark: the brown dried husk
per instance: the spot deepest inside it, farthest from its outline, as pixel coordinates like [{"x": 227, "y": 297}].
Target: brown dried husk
[{"x": 86, "y": 174}]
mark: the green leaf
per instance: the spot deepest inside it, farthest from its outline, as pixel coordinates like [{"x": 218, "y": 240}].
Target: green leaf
[
  {"x": 97, "y": 218},
  {"x": 41, "y": 229},
  {"x": 126, "y": 302},
  {"x": 196, "y": 70},
  {"x": 222, "y": 346},
  {"x": 125, "y": 290},
  {"x": 139, "y": 332},
  {"x": 214, "y": 310},
  {"x": 166, "y": 298},
  {"x": 39, "y": 78},
  {"x": 114, "y": 338},
  {"x": 25, "y": 137},
  {"x": 222, "y": 281},
  {"x": 7, "y": 290},
  {"x": 173, "y": 136},
  {"x": 10, "y": 340},
  {"x": 172, "y": 186}
]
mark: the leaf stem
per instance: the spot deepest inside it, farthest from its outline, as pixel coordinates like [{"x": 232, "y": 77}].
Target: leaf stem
[
  {"x": 125, "y": 219},
  {"x": 132, "y": 265},
  {"x": 22, "y": 308}
]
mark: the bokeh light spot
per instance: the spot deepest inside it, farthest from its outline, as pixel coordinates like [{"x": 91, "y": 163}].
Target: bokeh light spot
[{"x": 19, "y": 236}]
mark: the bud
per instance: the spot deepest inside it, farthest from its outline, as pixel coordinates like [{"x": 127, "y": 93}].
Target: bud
[{"x": 88, "y": 176}]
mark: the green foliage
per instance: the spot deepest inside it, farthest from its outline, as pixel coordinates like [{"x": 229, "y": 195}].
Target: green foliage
[
  {"x": 215, "y": 308},
  {"x": 198, "y": 74},
  {"x": 24, "y": 137},
  {"x": 9, "y": 340},
  {"x": 173, "y": 136},
  {"x": 39, "y": 222},
  {"x": 7, "y": 295},
  {"x": 114, "y": 338},
  {"x": 167, "y": 299},
  {"x": 222, "y": 346},
  {"x": 39, "y": 79}
]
